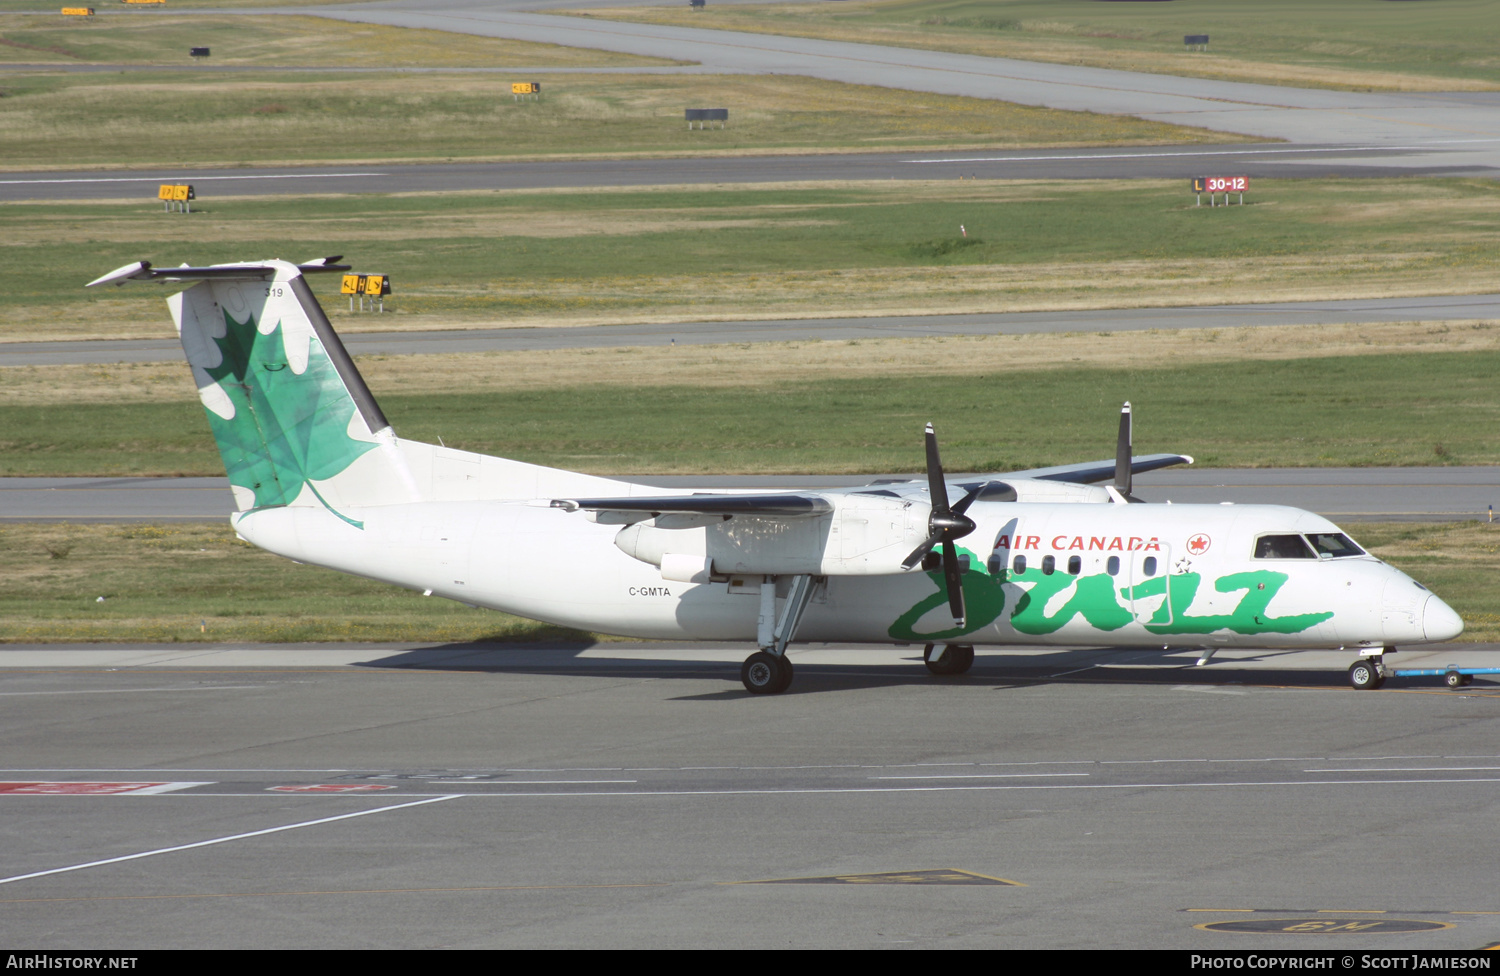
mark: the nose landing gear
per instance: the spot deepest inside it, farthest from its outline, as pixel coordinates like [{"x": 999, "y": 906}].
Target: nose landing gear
[{"x": 1366, "y": 674}]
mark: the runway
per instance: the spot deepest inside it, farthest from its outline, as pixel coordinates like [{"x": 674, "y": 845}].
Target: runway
[
  {"x": 1341, "y": 494},
  {"x": 629, "y": 796},
  {"x": 1148, "y": 162}
]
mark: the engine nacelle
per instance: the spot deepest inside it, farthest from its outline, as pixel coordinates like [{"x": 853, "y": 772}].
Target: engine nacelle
[
  {"x": 865, "y": 535},
  {"x": 868, "y": 533},
  {"x": 1042, "y": 490}
]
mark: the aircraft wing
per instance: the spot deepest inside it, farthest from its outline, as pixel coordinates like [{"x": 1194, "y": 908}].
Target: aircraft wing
[
  {"x": 781, "y": 505},
  {"x": 1089, "y": 472}
]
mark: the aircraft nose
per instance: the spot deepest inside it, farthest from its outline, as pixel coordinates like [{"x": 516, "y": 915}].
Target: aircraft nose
[{"x": 1439, "y": 622}]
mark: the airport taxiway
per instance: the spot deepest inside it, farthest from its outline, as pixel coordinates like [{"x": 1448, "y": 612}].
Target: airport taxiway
[
  {"x": 635, "y": 796},
  {"x": 1341, "y": 494},
  {"x": 627, "y": 795},
  {"x": 1432, "y": 122}
]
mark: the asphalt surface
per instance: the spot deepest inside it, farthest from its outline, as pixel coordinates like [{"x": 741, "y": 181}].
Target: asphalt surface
[
  {"x": 1377, "y": 134},
  {"x": 1342, "y": 494},
  {"x": 1158, "y": 162},
  {"x": 1463, "y": 128},
  {"x": 630, "y": 796}
]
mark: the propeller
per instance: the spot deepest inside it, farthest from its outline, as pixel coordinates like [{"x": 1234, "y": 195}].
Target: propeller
[
  {"x": 1123, "y": 456},
  {"x": 944, "y": 525}
]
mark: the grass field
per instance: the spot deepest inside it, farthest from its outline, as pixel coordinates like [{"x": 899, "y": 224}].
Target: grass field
[
  {"x": 1437, "y": 45},
  {"x": 1231, "y": 398},
  {"x": 287, "y": 41},
  {"x": 182, "y": 119},
  {"x": 729, "y": 252},
  {"x": 198, "y": 583}
]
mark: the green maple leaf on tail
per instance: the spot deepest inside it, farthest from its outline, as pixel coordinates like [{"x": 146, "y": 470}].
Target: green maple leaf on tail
[{"x": 288, "y": 428}]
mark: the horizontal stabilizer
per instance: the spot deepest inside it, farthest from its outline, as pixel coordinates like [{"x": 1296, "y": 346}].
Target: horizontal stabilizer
[
  {"x": 143, "y": 271},
  {"x": 790, "y": 505}
]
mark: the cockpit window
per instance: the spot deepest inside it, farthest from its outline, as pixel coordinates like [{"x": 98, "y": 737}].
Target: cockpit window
[
  {"x": 1282, "y": 547},
  {"x": 1334, "y": 544}
]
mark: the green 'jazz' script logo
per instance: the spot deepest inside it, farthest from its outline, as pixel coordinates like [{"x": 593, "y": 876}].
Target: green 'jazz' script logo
[{"x": 1097, "y": 600}]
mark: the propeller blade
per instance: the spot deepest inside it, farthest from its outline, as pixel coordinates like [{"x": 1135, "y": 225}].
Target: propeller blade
[
  {"x": 1123, "y": 452},
  {"x": 935, "y": 483},
  {"x": 967, "y": 500},
  {"x": 944, "y": 524},
  {"x": 954, "y": 580},
  {"x": 922, "y": 550}
]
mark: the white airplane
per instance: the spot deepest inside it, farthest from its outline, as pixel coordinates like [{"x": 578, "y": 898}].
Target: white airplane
[{"x": 319, "y": 476}]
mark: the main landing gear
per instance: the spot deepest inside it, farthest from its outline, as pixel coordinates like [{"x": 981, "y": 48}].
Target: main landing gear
[
  {"x": 951, "y": 659},
  {"x": 782, "y": 602},
  {"x": 764, "y": 673},
  {"x": 767, "y": 671}
]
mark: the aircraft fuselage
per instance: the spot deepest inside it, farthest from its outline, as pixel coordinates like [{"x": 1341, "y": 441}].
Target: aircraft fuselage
[{"x": 1123, "y": 575}]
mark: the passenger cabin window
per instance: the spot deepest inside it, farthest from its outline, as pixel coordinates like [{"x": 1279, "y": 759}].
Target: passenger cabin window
[
  {"x": 1149, "y": 566},
  {"x": 1049, "y": 565},
  {"x": 1282, "y": 547},
  {"x": 1113, "y": 566},
  {"x": 1075, "y": 565},
  {"x": 1020, "y": 564},
  {"x": 1334, "y": 545}
]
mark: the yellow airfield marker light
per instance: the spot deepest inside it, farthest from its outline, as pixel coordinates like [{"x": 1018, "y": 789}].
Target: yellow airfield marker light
[
  {"x": 377, "y": 286},
  {"x": 372, "y": 286},
  {"x": 176, "y": 193}
]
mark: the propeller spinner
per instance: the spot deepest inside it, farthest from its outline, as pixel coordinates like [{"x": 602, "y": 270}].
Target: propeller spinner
[{"x": 945, "y": 525}]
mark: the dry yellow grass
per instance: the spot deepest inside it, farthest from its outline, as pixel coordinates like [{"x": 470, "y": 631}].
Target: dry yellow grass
[
  {"x": 212, "y": 228},
  {"x": 283, "y": 40},
  {"x": 1389, "y": 239},
  {"x": 769, "y": 364},
  {"x": 952, "y": 290},
  {"x": 277, "y": 118}
]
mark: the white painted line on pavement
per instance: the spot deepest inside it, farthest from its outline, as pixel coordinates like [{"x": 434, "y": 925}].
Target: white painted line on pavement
[{"x": 223, "y": 840}]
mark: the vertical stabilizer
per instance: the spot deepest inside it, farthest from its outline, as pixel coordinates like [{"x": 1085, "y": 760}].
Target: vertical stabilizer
[
  {"x": 295, "y": 423},
  {"x": 294, "y": 420}
]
